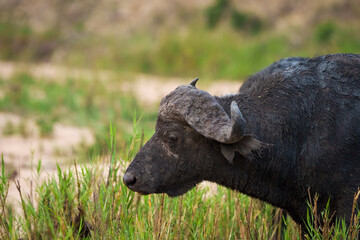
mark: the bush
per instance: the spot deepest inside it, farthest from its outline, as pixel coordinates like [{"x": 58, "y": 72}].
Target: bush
[
  {"x": 45, "y": 126},
  {"x": 325, "y": 32},
  {"x": 246, "y": 22},
  {"x": 20, "y": 42},
  {"x": 215, "y": 12}
]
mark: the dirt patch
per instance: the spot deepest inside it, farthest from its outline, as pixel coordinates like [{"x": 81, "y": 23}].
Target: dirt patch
[
  {"x": 149, "y": 90},
  {"x": 22, "y": 153},
  {"x": 53, "y": 72}
]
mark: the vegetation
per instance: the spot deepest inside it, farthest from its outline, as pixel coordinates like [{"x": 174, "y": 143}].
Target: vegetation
[
  {"x": 244, "y": 22},
  {"x": 73, "y": 101},
  {"x": 90, "y": 201},
  {"x": 224, "y": 52},
  {"x": 87, "y": 204}
]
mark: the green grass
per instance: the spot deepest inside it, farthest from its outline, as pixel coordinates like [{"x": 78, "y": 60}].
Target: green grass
[
  {"x": 216, "y": 53},
  {"x": 93, "y": 203},
  {"x": 198, "y": 52},
  {"x": 79, "y": 102},
  {"x": 210, "y": 54},
  {"x": 10, "y": 129}
]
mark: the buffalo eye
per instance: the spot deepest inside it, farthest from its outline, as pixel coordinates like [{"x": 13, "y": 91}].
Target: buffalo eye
[{"x": 173, "y": 139}]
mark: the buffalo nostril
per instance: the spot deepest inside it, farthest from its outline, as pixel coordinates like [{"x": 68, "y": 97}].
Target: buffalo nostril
[{"x": 129, "y": 179}]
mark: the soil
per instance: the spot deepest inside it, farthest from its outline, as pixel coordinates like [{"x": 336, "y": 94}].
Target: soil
[{"x": 22, "y": 151}]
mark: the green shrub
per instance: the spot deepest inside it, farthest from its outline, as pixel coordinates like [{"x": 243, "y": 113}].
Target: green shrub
[
  {"x": 20, "y": 42},
  {"x": 9, "y": 129},
  {"x": 325, "y": 32},
  {"x": 215, "y": 12},
  {"x": 46, "y": 127},
  {"x": 246, "y": 22},
  {"x": 14, "y": 39}
]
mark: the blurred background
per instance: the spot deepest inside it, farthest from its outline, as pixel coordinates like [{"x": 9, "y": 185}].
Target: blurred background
[
  {"x": 69, "y": 68},
  {"x": 210, "y": 38}
]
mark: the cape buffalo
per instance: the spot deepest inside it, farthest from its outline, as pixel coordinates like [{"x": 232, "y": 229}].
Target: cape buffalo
[{"x": 291, "y": 130}]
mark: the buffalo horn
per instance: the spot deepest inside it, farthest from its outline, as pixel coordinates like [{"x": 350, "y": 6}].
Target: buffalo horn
[
  {"x": 204, "y": 114},
  {"x": 193, "y": 82}
]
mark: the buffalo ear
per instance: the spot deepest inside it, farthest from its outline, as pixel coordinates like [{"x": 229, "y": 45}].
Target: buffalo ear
[
  {"x": 244, "y": 146},
  {"x": 228, "y": 151}
]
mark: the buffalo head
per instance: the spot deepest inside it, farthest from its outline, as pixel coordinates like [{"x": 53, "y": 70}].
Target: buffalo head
[{"x": 192, "y": 131}]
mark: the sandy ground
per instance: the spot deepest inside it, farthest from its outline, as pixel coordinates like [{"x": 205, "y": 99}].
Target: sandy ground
[
  {"x": 150, "y": 90},
  {"x": 22, "y": 153}
]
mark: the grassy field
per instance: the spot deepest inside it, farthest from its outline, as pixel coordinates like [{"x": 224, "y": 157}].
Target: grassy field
[
  {"x": 79, "y": 102},
  {"x": 90, "y": 200},
  {"x": 197, "y": 51}
]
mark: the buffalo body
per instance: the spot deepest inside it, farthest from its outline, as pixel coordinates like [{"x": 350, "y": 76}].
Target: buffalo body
[{"x": 292, "y": 131}]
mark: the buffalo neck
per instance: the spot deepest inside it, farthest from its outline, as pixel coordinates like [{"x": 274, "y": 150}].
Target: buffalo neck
[{"x": 263, "y": 174}]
